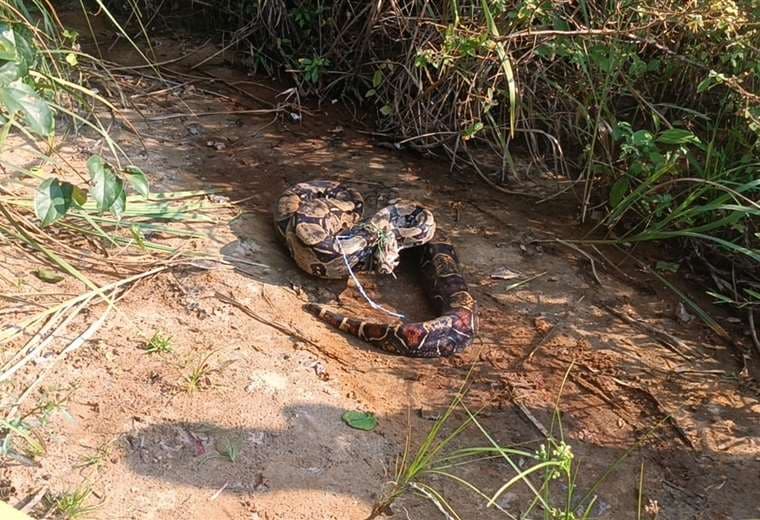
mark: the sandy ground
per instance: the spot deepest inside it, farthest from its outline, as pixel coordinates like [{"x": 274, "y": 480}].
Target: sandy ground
[{"x": 159, "y": 449}]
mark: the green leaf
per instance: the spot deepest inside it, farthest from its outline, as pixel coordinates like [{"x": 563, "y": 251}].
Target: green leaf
[
  {"x": 663, "y": 266},
  {"x": 713, "y": 79},
  {"x": 622, "y": 130},
  {"x": 71, "y": 59},
  {"x": 641, "y": 138},
  {"x": 108, "y": 189},
  {"x": 618, "y": 191},
  {"x": 48, "y": 275},
  {"x": 79, "y": 196},
  {"x": 377, "y": 78},
  {"x": 95, "y": 166},
  {"x": 138, "y": 236},
  {"x": 26, "y": 52},
  {"x": 120, "y": 203},
  {"x": 371, "y": 92},
  {"x": 386, "y": 110},
  {"x": 9, "y": 72},
  {"x": 506, "y": 65},
  {"x": 360, "y": 420},
  {"x": 20, "y": 97},
  {"x": 470, "y": 132},
  {"x": 678, "y": 136},
  {"x": 138, "y": 180},
  {"x": 7, "y": 43},
  {"x": 52, "y": 200}
]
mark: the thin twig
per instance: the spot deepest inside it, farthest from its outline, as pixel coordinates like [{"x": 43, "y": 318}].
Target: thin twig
[
  {"x": 282, "y": 328},
  {"x": 588, "y": 256},
  {"x": 753, "y": 330},
  {"x": 217, "y": 113},
  {"x": 555, "y": 328},
  {"x": 71, "y": 347},
  {"x": 663, "y": 337},
  {"x": 38, "y": 496}
]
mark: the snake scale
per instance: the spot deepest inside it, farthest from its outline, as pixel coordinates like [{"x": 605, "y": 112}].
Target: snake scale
[{"x": 321, "y": 224}]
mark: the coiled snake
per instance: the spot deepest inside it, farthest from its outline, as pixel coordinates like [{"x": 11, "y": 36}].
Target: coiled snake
[{"x": 321, "y": 224}]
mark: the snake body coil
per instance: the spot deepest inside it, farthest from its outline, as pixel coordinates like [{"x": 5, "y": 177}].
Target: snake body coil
[{"x": 321, "y": 224}]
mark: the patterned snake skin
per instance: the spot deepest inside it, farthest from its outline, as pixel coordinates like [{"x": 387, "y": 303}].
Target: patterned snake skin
[
  {"x": 311, "y": 216},
  {"x": 319, "y": 221}
]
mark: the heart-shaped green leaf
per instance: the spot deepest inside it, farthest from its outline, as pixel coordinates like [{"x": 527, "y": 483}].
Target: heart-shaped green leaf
[
  {"x": 138, "y": 180},
  {"x": 20, "y": 97},
  {"x": 108, "y": 189},
  {"x": 360, "y": 420},
  {"x": 52, "y": 200},
  {"x": 48, "y": 275}
]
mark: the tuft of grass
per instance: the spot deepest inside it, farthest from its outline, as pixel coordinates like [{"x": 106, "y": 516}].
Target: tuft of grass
[
  {"x": 72, "y": 505},
  {"x": 19, "y": 437},
  {"x": 199, "y": 377},
  {"x": 159, "y": 344},
  {"x": 98, "y": 458},
  {"x": 229, "y": 449},
  {"x": 548, "y": 471}
]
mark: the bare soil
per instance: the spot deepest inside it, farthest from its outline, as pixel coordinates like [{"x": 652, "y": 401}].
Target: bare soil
[{"x": 160, "y": 448}]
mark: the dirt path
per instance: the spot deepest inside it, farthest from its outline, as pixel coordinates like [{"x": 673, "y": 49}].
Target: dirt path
[{"x": 163, "y": 452}]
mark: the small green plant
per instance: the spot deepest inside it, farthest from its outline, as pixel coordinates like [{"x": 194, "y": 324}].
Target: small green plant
[
  {"x": 306, "y": 17},
  {"x": 97, "y": 459},
  {"x": 73, "y": 504},
  {"x": 199, "y": 376},
  {"x": 18, "y": 436},
  {"x": 229, "y": 449},
  {"x": 55, "y": 198},
  {"x": 542, "y": 470},
  {"x": 159, "y": 344},
  {"x": 313, "y": 68}
]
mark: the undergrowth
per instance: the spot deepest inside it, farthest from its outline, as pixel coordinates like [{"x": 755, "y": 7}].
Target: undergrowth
[
  {"x": 545, "y": 476},
  {"x": 97, "y": 225},
  {"x": 647, "y": 109}
]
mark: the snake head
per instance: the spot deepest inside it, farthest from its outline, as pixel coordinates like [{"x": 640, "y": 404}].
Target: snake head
[{"x": 386, "y": 257}]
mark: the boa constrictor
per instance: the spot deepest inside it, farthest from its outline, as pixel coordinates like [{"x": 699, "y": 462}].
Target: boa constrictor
[{"x": 321, "y": 224}]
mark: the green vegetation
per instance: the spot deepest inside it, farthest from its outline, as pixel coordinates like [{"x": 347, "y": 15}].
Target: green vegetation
[
  {"x": 159, "y": 344},
  {"x": 649, "y": 108},
  {"x": 199, "y": 376},
  {"x": 547, "y": 472},
  {"x": 22, "y": 436},
  {"x": 229, "y": 449},
  {"x": 45, "y": 94},
  {"x": 74, "y": 504}
]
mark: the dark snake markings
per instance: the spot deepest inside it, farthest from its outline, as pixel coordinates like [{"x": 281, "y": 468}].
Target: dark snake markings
[{"x": 312, "y": 215}]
